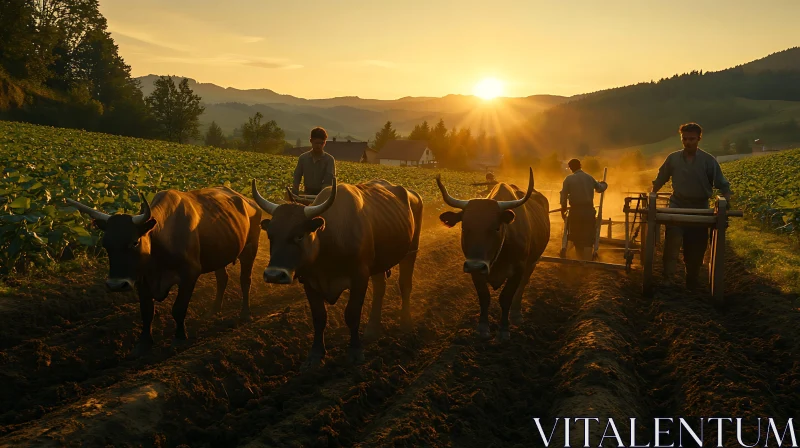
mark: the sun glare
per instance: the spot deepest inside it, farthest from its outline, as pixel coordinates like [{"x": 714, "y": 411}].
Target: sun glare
[{"x": 489, "y": 88}]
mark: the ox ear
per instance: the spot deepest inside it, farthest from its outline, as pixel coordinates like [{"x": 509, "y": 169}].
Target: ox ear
[
  {"x": 264, "y": 224},
  {"x": 507, "y": 216},
  {"x": 315, "y": 224},
  {"x": 145, "y": 228},
  {"x": 450, "y": 219}
]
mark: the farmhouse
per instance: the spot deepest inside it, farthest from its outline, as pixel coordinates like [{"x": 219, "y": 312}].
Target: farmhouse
[
  {"x": 406, "y": 153},
  {"x": 347, "y": 151}
]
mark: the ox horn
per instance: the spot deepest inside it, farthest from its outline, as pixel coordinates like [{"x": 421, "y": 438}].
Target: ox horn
[
  {"x": 449, "y": 200},
  {"x": 145, "y": 215},
  {"x": 312, "y": 211},
  {"x": 506, "y": 205},
  {"x": 265, "y": 205},
  {"x": 95, "y": 214}
]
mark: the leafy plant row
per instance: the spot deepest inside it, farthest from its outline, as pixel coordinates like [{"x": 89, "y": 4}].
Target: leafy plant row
[
  {"x": 44, "y": 165},
  {"x": 768, "y": 188}
]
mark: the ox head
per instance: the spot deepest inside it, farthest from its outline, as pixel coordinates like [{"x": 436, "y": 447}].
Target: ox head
[
  {"x": 122, "y": 240},
  {"x": 483, "y": 226},
  {"x": 292, "y": 234}
]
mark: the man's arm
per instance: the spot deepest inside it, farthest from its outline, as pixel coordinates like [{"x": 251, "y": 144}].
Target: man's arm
[
  {"x": 720, "y": 182},
  {"x": 664, "y": 173},
  {"x": 298, "y": 174},
  {"x": 564, "y": 196},
  {"x": 330, "y": 172}
]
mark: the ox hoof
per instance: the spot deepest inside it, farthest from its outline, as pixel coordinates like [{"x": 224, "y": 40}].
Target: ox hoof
[
  {"x": 406, "y": 324},
  {"x": 142, "y": 348},
  {"x": 179, "y": 343},
  {"x": 355, "y": 355},
  {"x": 373, "y": 330},
  {"x": 483, "y": 331},
  {"x": 314, "y": 360},
  {"x": 210, "y": 314},
  {"x": 516, "y": 317},
  {"x": 504, "y": 335}
]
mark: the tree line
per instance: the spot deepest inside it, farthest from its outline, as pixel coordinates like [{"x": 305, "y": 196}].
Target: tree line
[{"x": 59, "y": 66}]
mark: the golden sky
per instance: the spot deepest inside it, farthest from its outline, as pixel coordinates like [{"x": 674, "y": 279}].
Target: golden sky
[{"x": 387, "y": 50}]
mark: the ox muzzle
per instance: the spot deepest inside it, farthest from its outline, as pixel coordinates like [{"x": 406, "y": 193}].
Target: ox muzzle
[
  {"x": 476, "y": 267},
  {"x": 119, "y": 284},
  {"x": 280, "y": 276}
]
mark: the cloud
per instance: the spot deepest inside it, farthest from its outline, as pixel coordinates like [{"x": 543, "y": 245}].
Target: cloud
[
  {"x": 250, "y": 39},
  {"x": 271, "y": 64},
  {"x": 378, "y": 63},
  {"x": 233, "y": 60},
  {"x": 146, "y": 42}
]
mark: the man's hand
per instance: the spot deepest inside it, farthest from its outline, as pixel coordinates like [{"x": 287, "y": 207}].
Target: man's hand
[{"x": 564, "y": 214}]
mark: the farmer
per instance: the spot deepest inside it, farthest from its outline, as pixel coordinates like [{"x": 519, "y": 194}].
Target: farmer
[
  {"x": 693, "y": 172},
  {"x": 490, "y": 183},
  {"x": 317, "y": 168},
  {"x": 579, "y": 188}
]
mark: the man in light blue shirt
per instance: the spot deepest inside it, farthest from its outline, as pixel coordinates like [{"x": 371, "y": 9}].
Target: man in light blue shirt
[{"x": 694, "y": 173}]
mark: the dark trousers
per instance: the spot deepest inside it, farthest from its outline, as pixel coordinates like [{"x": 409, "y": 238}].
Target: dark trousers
[
  {"x": 582, "y": 225},
  {"x": 693, "y": 240}
]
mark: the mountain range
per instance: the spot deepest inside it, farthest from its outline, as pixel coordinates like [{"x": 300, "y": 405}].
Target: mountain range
[
  {"x": 630, "y": 116},
  {"x": 354, "y": 117}
]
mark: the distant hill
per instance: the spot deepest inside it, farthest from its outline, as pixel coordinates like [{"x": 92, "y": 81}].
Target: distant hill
[
  {"x": 359, "y": 117},
  {"x": 649, "y": 112},
  {"x": 782, "y": 60}
]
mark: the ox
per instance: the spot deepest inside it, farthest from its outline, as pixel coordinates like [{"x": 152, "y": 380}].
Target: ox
[
  {"x": 502, "y": 237},
  {"x": 181, "y": 236},
  {"x": 347, "y": 236}
]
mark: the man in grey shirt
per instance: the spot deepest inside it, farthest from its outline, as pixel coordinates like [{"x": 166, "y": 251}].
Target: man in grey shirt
[
  {"x": 579, "y": 188},
  {"x": 317, "y": 168},
  {"x": 694, "y": 174}
]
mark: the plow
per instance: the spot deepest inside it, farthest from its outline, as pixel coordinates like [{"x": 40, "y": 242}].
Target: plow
[{"x": 645, "y": 214}]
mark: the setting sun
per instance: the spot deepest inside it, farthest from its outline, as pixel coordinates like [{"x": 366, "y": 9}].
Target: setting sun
[{"x": 489, "y": 88}]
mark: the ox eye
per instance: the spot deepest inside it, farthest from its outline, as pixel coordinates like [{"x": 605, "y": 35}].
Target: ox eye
[{"x": 299, "y": 239}]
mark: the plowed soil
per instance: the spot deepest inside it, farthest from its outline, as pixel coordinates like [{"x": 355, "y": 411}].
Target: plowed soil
[{"x": 590, "y": 346}]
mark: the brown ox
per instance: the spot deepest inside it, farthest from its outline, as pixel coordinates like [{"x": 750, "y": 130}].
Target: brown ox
[
  {"x": 181, "y": 236},
  {"x": 502, "y": 237},
  {"x": 349, "y": 234}
]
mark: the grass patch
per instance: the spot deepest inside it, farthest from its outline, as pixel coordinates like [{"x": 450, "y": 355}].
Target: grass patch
[{"x": 768, "y": 255}]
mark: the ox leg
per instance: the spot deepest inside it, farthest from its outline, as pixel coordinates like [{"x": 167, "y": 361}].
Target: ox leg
[
  {"x": 484, "y": 297},
  {"x": 147, "y": 309},
  {"x": 222, "y": 282},
  {"x": 516, "y": 302},
  {"x": 406, "y": 277},
  {"x": 352, "y": 316},
  {"x": 247, "y": 260},
  {"x": 319, "y": 317},
  {"x": 374, "y": 327},
  {"x": 506, "y": 296},
  {"x": 181, "y": 305}
]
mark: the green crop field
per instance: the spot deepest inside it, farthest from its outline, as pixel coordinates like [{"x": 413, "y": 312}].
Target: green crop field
[
  {"x": 44, "y": 165},
  {"x": 768, "y": 188}
]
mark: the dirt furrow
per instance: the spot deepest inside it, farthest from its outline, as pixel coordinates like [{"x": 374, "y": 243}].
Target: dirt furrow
[
  {"x": 483, "y": 393},
  {"x": 701, "y": 360}
]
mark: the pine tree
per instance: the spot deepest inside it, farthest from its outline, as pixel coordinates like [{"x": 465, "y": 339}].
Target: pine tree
[{"x": 384, "y": 135}]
